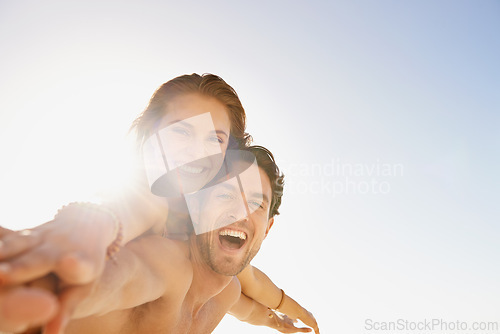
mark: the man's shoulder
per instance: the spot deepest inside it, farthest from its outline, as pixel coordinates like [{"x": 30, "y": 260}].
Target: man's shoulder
[
  {"x": 168, "y": 256},
  {"x": 160, "y": 245}
]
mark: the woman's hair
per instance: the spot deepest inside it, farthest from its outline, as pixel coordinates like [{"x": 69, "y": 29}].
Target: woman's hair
[{"x": 207, "y": 85}]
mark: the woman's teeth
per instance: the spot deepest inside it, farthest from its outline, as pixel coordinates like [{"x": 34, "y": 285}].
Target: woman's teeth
[{"x": 191, "y": 169}]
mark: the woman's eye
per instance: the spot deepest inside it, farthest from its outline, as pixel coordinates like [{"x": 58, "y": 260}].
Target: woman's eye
[
  {"x": 216, "y": 139},
  {"x": 180, "y": 131},
  {"x": 225, "y": 196}
]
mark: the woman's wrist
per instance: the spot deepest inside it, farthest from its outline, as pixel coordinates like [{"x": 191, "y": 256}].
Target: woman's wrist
[
  {"x": 90, "y": 213},
  {"x": 282, "y": 300}
]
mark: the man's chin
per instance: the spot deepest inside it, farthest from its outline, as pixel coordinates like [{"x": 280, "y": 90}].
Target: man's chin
[
  {"x": 227, "y": 270},
  {"x": 227, "y": 267}
]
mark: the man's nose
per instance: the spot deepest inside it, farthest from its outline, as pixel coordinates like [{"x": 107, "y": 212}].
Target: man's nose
[
  {"x": 242, "y": 220},
  {"x": 239, "y": 211}
]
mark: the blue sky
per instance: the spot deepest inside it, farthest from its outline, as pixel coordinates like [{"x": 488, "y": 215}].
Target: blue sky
[{"x": 365, "y": 84}]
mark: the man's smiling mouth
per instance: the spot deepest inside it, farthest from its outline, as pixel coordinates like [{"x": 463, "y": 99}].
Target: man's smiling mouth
[{"x": 232, "y": 239}]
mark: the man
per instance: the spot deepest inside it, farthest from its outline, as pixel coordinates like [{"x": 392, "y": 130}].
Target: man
[
  {"x": 200, "y": 110},
  {"x": 173, "y": 286}
]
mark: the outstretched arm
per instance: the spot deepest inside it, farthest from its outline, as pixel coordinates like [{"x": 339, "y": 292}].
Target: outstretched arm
[
  {"x": 258, "y": 286},
  {"x": 138, "y": 208},
  {"x": 75, "y": 243},
  {"x": 248, "y": 310},
  {"x": 139, "y": 274}
]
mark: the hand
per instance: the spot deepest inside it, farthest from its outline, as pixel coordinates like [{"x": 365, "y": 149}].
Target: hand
[
  {"x": 45, "y": 302},
  {"x": 73, "y": 246},
  {"x": 70, "y": 298},
  {"x": 24, "y": 307},
  {"x": 293, "y": 310},
  {"x": 284, "y": 324},
  {"x": 74, "y": 249}
]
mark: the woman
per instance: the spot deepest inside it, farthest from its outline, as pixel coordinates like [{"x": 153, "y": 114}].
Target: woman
[{"x": 76, "y": 243}]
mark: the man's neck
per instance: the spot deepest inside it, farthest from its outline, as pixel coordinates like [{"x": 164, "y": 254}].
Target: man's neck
[
  {"x": 178, "y": 220},
  {"x": 206, "y": 282}
]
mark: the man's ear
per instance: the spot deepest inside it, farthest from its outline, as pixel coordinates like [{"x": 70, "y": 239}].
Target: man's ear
[{"x": 269, "y": 225}]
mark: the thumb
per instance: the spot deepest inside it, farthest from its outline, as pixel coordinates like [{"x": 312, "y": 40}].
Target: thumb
[
  {"x": 4, "y": 231},
  {"x": 69, "y": 300},
  {"x": 76, "y": 268}
]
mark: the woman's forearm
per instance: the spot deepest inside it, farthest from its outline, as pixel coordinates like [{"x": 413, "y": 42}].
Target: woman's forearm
[
  {"x": 258, "y": 286},
  {"x": 138, "y": 209}
]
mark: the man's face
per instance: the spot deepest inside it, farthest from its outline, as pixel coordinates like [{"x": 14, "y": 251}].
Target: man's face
[
  {"x": 189, "y": 146},
  {"x": 229, "y": 249}
]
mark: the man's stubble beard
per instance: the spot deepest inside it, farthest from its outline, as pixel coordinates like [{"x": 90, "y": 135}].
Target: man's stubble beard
[{"x": 207, "y": 251}]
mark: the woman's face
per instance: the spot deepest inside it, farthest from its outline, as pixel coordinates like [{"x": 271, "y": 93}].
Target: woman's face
[{"x": 190, "y": 143}]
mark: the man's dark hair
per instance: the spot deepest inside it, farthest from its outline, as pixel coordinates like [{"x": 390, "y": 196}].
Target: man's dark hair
[{"x": 265, "y": 160}]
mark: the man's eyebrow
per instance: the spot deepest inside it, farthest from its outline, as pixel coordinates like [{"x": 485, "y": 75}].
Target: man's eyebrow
[
  {"x": 260, "y": 195},
  {"x": 226, "y": 185}
]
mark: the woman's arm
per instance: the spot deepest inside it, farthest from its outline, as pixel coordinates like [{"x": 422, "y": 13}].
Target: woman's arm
[
  {"x": 140, "y": 273},
  {"x": 258, "y": 286},
  {"x": 75, "y": 243},
  {"x": 248, "y": 310},
  {"x": 138, "y": 208}
]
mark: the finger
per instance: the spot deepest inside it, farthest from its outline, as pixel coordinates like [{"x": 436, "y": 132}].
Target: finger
[
  {"x": 49, "y": 283},
  {"x": 4, "y": 231},
  {"x": 77, "y": 269},
  {"x": 311, "y": 321},
  {"x": 22, "y": 307},
  {"x": 296, "y": 330},
  {"x": 308, "y": 319},
  {"x": 29, "y": 266},
  {"x": 69, "y": 299},
  {"x": 293, "y": 329},
  {"x": 18, "y": 242},
  {"x": 312, "y": 324}
]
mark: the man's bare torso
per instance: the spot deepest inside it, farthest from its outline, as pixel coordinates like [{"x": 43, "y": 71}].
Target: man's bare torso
[{"x": 174, "y": 312}]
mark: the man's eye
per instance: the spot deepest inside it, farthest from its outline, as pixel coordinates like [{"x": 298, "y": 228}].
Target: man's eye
[{"x": 256, "y": 204}]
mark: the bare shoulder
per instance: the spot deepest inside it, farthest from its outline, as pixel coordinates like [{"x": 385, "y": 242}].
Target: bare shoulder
[
  {"x": 157, "y": 247},
  {"x": 168, "y": 258}
]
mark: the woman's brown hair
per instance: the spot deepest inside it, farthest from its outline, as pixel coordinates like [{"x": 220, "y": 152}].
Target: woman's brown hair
[{"x": 206, "y": 85}]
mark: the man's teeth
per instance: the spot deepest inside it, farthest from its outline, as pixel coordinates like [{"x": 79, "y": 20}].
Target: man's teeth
[
  {"x": 233, "y": 233},
  {"x": 191, "y": 169}
]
